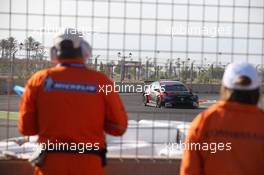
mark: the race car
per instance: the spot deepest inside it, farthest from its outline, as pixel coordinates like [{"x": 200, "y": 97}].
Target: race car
[{"x": 169, "y": 93}]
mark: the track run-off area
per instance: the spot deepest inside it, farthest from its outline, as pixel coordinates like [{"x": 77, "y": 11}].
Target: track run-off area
[{"x": 132, "y": 102}]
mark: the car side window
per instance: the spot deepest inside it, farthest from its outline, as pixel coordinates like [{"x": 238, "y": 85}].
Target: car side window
[
  {"x": 162, "y": 87},
  {"x": 158, "y": 85},
  {"x": 151, "y": 85},
  {"x": 155, "y": 86}
]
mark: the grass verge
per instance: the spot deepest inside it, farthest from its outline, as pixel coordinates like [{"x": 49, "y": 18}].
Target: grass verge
[{"x": 12, "y": 115}]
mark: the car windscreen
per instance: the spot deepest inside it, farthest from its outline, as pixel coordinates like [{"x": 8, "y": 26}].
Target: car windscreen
[{"x": 175, "y": 87}]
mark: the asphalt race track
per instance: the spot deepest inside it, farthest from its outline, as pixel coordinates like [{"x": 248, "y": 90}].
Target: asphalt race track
[
  {"x": 133, "y": 104},
  {"x": 136, "y": 109}
]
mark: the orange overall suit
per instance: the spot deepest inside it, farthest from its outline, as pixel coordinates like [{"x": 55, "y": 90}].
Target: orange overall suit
[
  {"x": 238, "y": 129},
  {"x": 67, "y": 103}
]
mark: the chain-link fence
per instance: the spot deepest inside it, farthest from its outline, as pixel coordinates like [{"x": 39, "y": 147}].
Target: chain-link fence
[
  {"x": 133, "y": 41},
  {"x": 139, "y": 40}
]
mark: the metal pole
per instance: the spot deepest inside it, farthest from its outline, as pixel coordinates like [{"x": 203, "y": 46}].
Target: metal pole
[
  {"x": 147, "y": 66},
  {"x": 95, "y": 63},
  {"x": 139, "y": 70},
  {"x": 170, "y": 68},
  {"x": 191, "y": 74},
  {"x": 122, "y": 68}
]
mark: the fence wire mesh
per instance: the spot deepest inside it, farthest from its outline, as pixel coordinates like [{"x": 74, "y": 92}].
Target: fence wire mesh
[{"x": 133, "y": 41}]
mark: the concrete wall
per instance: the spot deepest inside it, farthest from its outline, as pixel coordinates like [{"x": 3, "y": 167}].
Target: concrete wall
[
  {"x": 131, "y": 87},
  {"x": 197, "y": 88},
  {"x": 206, "y": 88},
  {"x": 115, "y": 167}
]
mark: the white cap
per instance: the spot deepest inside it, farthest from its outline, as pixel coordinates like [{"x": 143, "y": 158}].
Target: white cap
[
  {"x": 86, "y": 49},
  {"x": 235, "y": 70},
  {"x": 69, "y": 34},
  {"x": 77, "y": 39}
]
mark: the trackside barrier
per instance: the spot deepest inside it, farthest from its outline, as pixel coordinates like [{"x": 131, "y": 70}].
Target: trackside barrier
[
  {"x": 127, "y": 87},
  {"x": 115, "y": 166},
  {"x": 131, "y": 87}
]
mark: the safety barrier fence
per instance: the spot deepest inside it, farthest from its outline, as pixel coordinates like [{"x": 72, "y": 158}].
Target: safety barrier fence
[{"x": 149, "y": 135}]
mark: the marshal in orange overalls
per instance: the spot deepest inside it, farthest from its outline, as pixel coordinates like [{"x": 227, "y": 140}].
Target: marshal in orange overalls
[
  {"x": 56, "y": 106},
  {"x": 239, "y": 125}
]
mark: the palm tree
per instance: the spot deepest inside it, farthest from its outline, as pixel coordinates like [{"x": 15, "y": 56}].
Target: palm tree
[
  {"x": 11, "y": 46},
  {"x": 29, "y": 45},
  {"x": 3, "y": 46},
  {"x": 41, "y": 52},
  {"x": 8, "y": 46}
]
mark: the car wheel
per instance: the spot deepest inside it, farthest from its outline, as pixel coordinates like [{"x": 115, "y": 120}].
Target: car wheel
[
  {"x": 195, "y": 105},
  {"x": 145, "y": 101},
  {"x": 158, "y": 103}
]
